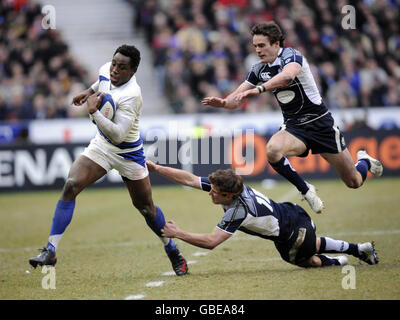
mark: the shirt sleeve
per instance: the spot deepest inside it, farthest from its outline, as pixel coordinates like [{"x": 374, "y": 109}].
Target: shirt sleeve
[
  {"x": 205, "y": 184},
  {"x": 95, "y": 86},
  {"x": 290, "y": 55},
  {"x": 252, "y": 77},
  {"x": 232, "y": 219},
  {"x": 125, "y": 115}
]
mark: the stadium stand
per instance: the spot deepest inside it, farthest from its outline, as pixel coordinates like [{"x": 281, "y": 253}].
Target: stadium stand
[{"x": 203, "y": 48}]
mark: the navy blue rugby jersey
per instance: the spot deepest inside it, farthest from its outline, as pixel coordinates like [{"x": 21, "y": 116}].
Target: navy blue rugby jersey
[
  {"x": 300, "y": 101},
  {"x": 254, "y": 213}
]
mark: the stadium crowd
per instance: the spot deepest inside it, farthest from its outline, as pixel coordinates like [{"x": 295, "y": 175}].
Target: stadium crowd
[
  {"x": 204, "y": 48},
  {"x": 38, "y": 75}
]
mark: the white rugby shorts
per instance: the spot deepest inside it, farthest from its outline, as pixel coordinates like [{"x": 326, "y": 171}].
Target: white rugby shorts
[{"x": 128, "y": 168}]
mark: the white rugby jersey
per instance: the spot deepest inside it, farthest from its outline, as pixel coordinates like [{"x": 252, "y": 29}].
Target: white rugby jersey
[
  {"x": 300, "y": 100},
  {"x": 128, "y": 103}
]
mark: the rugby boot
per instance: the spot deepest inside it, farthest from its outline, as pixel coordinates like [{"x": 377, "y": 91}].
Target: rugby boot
[
  {"x": 313, "y": 200},
  {"x": 367, "y": 253},
  {"x": 46, "y": 257},
  {"x": 178, "y": 262}
]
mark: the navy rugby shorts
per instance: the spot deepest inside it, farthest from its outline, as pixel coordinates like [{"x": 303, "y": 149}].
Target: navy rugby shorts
[
  {"x": 319, "y": 136},
  {"x": 302, "y": 244}
]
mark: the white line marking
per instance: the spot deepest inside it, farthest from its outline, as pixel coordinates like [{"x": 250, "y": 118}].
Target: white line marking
[
  {"x": 191, "y": 261},
  {"x": 235, "y": 237},
  {"x": 168, "y": 273},
  {"x": 200, "y": 253},
  {"x": 135, "y": 297},
  {"x": 154, "y": 284}
]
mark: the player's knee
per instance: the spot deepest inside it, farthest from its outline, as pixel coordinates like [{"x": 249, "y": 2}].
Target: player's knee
[
  {"x": 147, "y": 210},
  {"x": 313, "y": 262},
  {"x": 274, "y": 152},
  {"x": 71, "y": 189},
  {"x": 353, "y": 182}
]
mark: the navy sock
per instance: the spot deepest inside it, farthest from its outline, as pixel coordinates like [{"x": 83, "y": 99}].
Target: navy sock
[
  {"x": 327, "y": 262},
  {"x": 284, "y": 168},
  {"x": 362, "y": 166},
  {"x": 61, "y": 219}
]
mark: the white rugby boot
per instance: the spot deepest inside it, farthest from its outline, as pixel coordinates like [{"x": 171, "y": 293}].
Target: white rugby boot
[
  {"x": 367, "y": 253},
  {"x": 376, "y": 166},
  {"x": 313, "y": 200}
]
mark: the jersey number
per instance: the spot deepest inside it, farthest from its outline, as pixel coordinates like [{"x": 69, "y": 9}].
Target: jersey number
[{"x": 263, "y": 200}]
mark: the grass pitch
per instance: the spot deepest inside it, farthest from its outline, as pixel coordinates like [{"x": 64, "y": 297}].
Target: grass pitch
[{"x": 108, "y": 252}]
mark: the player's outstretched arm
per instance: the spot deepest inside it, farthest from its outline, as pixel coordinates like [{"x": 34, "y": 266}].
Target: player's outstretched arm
[
  {"x": 176, "y": 175},
  {"x": 202, "y": 240},
  {"x": 289, "y": 72},
  {"x": 230, "y": 102}
]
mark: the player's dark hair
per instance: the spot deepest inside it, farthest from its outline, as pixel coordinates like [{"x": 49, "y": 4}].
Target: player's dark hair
[
  {"x": 226, "y": 181},
  {"x": 132, "y": 52},
  {"x": 271, "y": 30}
]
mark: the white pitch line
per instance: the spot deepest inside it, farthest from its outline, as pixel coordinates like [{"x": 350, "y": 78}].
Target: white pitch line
[
  {"x": 135, "y": 297},
  {"x": 154, "y": 284},
  {"x": 200, "y": 253}
]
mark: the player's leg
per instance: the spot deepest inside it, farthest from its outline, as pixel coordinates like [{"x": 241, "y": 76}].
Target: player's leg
[
  {"x": 83, "y": 172},
  {"x": 281, "y": 145},
  {"x": 141, "y": 195},
  {"x": 353, "y": 175},
  {"x": 363, "y": 251}
]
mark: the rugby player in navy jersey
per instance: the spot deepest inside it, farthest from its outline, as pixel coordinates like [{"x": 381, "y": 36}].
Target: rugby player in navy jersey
[
  {"x": 117, "y": 145},
  {"x": 248, "y": 210},
  {"x": 308, "y": 124}
]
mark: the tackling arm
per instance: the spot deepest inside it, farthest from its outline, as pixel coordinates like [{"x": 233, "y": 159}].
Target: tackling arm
[
  {"x": 177, "y": 175},
  {"x": 202, "y": 240}
]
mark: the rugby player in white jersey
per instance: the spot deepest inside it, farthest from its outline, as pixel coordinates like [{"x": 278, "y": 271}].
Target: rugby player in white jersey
[
  {"x": 248, "y": 210},
  {"x": 117, "y": 145},
  {"x": 308, "y": 124}
]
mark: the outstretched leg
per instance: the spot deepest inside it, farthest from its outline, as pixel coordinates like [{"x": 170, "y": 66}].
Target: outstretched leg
[
  {"x": 353, "y": 175},
  {"x": 141, "y": 195},
  {"x": 83, "y": 172},
  {"x": 281, "y": 145}
]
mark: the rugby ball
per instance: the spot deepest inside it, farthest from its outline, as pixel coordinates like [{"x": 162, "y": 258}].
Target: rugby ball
[{"x": 107, "y": 107}]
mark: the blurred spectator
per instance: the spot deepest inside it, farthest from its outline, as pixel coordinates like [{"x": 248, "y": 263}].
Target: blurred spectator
[
  {"x": 37, "y": 71},
  {"x": 202, "y": 46}
]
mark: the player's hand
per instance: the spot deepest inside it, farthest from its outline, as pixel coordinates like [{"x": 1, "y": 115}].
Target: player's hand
[
  {"x": 82, "y": 97},
  {"x": 246, "y": 94},
  {"x": 214, "y": 102},
  {"x": 94, "y": 101},
  {"x": 151, "y": 166},
  {"x": 170, "y": 229}
]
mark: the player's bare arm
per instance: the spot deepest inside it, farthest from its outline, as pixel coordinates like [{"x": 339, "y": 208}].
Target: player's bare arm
[
  {"x": 282, "y": 79},
  {"x": 229, "y": 102},
  {"x": 82, "y": 97},
  {"x": 202, "y": 240},
  {"x": 176, "y": 175}
]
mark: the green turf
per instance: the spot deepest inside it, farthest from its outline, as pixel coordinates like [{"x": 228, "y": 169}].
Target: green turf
[{"x": 108, "y": 251}]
